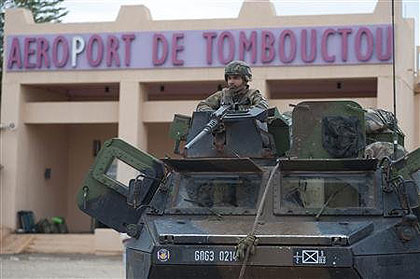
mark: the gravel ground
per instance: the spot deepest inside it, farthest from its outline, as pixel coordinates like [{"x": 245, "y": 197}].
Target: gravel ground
[{"x": 61, "y": 266}]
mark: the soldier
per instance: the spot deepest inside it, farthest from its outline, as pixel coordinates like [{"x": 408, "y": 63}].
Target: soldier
[{"x": 237, "y": 76}]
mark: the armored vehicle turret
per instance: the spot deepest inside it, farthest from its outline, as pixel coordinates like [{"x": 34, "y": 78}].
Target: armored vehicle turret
[{"x": 319, "y": 193}]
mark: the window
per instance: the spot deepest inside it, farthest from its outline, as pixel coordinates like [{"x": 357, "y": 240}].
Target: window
[
  {"x": 125, "y": 171},
  {"x": 198, "y": 193},
  {"x": 339, "y": 193}
]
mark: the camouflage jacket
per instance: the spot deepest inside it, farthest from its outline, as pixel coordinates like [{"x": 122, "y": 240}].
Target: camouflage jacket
[{"x": 246, "y": 99}]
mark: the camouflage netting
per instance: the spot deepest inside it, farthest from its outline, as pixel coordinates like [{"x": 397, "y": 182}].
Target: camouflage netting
[
  {"x": 379, "y": 120},
  {"x": 342, "y": 136},
  {"x": 344, "y": 140},
  {"x": 382, "y": 149}
]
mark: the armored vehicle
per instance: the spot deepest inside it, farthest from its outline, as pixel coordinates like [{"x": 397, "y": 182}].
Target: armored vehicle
[{"x": 259, "y": 194}]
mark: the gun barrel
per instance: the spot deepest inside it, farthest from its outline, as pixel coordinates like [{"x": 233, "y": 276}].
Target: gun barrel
[
  {"x": 194, "y": 140},
  {"x": 217, "y": 117},
  {"x": 206, "y": 130}
]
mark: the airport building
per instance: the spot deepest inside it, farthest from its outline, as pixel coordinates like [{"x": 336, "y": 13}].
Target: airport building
[{"x": 68, "y": 87}]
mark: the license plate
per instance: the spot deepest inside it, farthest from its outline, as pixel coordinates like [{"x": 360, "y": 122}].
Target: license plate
[
  {"x": 195, "y": 255},
  {"x": 214, "y": 255}
]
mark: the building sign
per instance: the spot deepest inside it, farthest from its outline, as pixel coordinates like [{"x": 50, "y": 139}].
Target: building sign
[{"x": 297, "y": 46}]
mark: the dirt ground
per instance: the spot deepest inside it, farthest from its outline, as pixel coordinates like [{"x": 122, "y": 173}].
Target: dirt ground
[{"x": 61, "y": 266}]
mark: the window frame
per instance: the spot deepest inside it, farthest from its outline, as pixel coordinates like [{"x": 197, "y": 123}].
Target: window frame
[
  {"x": 377, "y": 209},
  {"x": 171, "y": 208}
]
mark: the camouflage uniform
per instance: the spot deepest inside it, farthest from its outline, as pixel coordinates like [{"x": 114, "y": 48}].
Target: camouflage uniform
[
  {"x": 381, "y": 149},
  {"x": 379, "y": 120},
  {"x": 246, "y": 98}
]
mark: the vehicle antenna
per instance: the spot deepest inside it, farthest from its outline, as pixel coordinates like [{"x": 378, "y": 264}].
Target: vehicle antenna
[{"x": 394, "y": 130}]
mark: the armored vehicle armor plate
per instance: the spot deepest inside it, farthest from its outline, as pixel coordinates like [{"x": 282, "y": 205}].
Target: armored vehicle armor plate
[{"x": 259, "y": 196}]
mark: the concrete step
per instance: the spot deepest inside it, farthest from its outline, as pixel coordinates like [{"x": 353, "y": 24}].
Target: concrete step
[
  {"x": 15, "y": 243},
  {"x": 62, "y": 243},
  {"x": 102, "y": 242}
]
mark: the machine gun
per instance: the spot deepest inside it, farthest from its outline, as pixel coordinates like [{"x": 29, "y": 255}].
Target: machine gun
[{"x": 211, "y": 126}]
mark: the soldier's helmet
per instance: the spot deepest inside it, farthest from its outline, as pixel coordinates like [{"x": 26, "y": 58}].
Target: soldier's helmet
[{"x": 238, "y": 68}]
